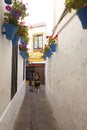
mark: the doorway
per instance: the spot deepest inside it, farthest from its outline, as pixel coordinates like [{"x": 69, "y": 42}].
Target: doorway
[
  {"x": 14, "y": 70},
  {"x": 36, "y": 68}
]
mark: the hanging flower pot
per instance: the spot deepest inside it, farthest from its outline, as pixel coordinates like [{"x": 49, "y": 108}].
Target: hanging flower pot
[
  {"x": 16, "y": 13},
  {"x": 10, "y": 30},
  {"x": 23, "y": 54},
  {"x": 23, "y": 32},
  {"x": 15, "y": 39},
  {"x": 49, "y": 53},
  {"x": 45, "y": 57},
  {"x": 74, "y": 4},
  {"x": 82, "y": 14},
  {"x": 23, "y": 41},
  {"x": 8, "y": 1},
  {"x": 53, "y": 47}
]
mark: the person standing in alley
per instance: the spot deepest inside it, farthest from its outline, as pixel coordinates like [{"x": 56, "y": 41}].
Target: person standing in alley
[{"x": 37, "y": 82}]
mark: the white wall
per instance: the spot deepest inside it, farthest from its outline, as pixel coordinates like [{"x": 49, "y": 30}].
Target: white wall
[
  {"x": 20, "y": 70},
  {"x": 8, "y": 108},
  {"x": 9, "y": 116},
  {"x": 5, "y": 66},
  {"x": 66, "y": 84},
  {"x": 58, "y": 7}
]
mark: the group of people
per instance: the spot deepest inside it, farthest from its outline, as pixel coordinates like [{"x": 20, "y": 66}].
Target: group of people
[{"x": 35, "y": 82}]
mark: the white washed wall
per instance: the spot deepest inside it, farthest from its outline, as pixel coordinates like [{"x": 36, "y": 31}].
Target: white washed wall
[
  {"x": 59, "y": 6},
  {"x": 5, "y": 66},
  {"x": 66, "y": 84},
  {"x": 9, "y": 116},
  {"x": 20, "y": 70},
  {"x": 8, "y": 108}
]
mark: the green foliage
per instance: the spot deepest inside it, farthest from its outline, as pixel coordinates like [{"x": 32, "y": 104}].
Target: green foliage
[
  {"x": 21, "y": 7},
  {"x": 27, "y": 54},
  {"x": 23, "y": 47},
  {"x": 52, "y": 39},
  {"x": 14, "y": 12},
  {"x": 75, "y": 4},
  {"x": 46, "y": 48},
  {"x": 23, "y": 32},
  {"x": 10, "y": 19}
]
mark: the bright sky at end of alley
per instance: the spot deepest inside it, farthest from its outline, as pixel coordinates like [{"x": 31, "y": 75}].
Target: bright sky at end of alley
[{"x": 38, "y": 11}]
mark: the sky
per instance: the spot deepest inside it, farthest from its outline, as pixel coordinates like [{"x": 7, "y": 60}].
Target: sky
[{"x": 38, "y": 11}]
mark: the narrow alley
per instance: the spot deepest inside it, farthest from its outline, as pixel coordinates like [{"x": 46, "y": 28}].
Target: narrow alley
[
  {"x": 35, "y": 112},
  {"x": 47, "y": 38}
]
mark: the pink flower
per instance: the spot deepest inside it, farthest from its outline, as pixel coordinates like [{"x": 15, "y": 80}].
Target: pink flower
[
  {"x": 17, "y": 12},
  {"x": 27, "y": 14},
  {"x": 41, "y": 50},
  {"x": 26, "y": 3},
  {"x": 31, "y": 27},
  {"x": 8, "y": 8}
]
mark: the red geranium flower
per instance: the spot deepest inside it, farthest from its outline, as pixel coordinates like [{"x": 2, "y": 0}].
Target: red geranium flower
[{"x": 52, "y": 39}]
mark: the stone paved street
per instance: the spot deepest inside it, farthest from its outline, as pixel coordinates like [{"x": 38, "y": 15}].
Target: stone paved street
[{"x": 35, "y": 113}]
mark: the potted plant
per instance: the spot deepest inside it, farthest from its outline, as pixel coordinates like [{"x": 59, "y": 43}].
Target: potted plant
[
  {"x": 27, "y": 54},
  {"x": 11, "y": 18},
  {"x": 52, "y": 41},
  {"x": 75, "y": 4},
  {"x": 23, "y": 51},
  {"x": 82, "y": 14},
  {"x": 23, "y": 47},
  {"x": 18, "y": 9},
  {"x": 15, "y": 39},
  {"x": 81, "y": 7},
  {"x": 24, "y": 54},
  {"x": 23, "y": 33},
  {"x": 47, "y": 51},
  {"x": 10, "y": 25}
]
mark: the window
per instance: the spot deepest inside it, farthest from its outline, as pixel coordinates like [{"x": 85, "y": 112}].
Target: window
[{"x": 38, "y": 41}]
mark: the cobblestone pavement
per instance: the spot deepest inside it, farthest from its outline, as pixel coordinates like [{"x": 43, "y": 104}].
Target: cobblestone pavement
[{"x": 35, "y": 113}]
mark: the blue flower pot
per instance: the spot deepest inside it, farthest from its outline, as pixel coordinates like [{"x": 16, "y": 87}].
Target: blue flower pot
[
  {"x": 44, "y": 57},
  {"x": 53, "y": 47},
  {"x": 23, "y": 41},
  {"x": 15, "y": 39},
  {"x": 82, "y": 14},
  {"x": 8, "y": 1},
  {"x": 49, "y": 53},
  {"x": 24, "y": 56},
  {"x": 10, "y": 30}
]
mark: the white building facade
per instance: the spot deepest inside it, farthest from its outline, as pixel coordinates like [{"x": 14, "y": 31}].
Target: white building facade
[{"x": 66, "y": 82}]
